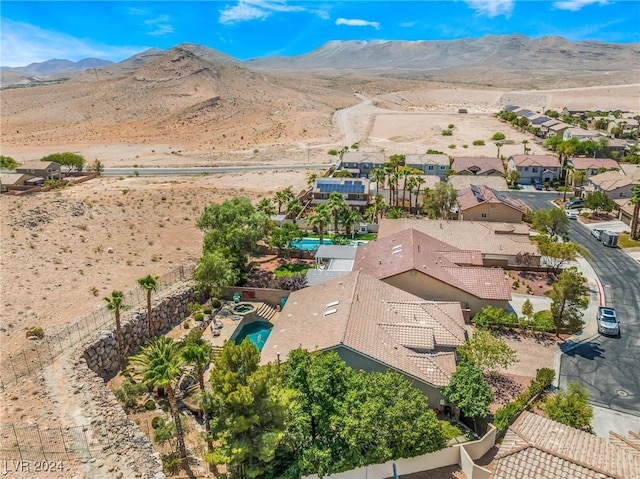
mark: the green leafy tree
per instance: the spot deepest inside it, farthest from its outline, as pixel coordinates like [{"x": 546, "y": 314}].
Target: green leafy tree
[
  {"x": 343, "y": 174},
  {"x": 568, "y": 300},
  {"x": 233, "y": 228},
  {"x": 96, "y": 166},
  {"x": 493, "y": 317},
  {"x": 282, "y": 237},
  {"x": 557, "y": 253},
  {"x": 319, "y": 219},
  {"x": 214, "y": 272},
  {"x": 487, "y": 351},
  {"x": 8, "y": 162},
  {"x": 115, "y": 304},
  {"x": 250, "y": 411},
  {"x": 527, "y": 309},
  {"x": 439, "y": 202},
  {"x": 570, "y": 407},
  {"x": 149, "y": 284},
  {"x": 469, "y": 391},
  {"x": 553, "y": 222},
  {"x": 599, "y": 201},
  {"x": 513, "y": 177},
  {"x": 498, "y": 136},
  {"x": 160, "y": 365},
  {"x": 73, "y": 161}
]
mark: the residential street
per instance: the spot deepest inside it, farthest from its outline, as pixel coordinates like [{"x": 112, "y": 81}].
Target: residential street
[{"x": 606, "y": 367}]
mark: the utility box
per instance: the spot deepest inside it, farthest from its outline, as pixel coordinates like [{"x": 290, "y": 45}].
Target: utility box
[{"x": 609, "y": 238}]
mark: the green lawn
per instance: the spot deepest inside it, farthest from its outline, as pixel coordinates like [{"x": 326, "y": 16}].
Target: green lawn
[
  {"x": 625, "y": 241},
  {"x": 289, "y": 269}
]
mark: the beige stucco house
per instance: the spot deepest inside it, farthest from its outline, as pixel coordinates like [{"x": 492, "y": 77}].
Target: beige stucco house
[
  {"x": 481, "y": 203},
  {"x": 373, "y": 326},
  {"x": 47, "y": 170},
  {"x": 614, "y": 183},
  {"x": 434, "y": 270},
  {"x": 478, "y": 165}
]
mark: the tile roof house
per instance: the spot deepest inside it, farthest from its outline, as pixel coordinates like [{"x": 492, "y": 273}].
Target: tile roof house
[
  {"x": 360, "y": 164},
  {"x": 478, "y": 165},
  {"x": 580, "y": 133},
  {"x": 481, "y": 203},
  {"x": 47, "y": 170},
  {"x": 429, "y": 164},
  {"x": 373, "y": 326},
  {"x": 460, "y": 182},
  {"x": 614, "y": 183},
  {"x": 558, "y": 129},
  {"x": 354, "y": 191},
  {"x": 13, "y": 181},
  {"x": 537, "y": 447},
  {"x": 499, "y": 243},
  {"x": 544, "y": 127},
  {"x": 332, "y": 261},
  {"x": 545, "y": 168},
  {"x": 593, "y": 166},
  {"x": 433, "y": 270}
]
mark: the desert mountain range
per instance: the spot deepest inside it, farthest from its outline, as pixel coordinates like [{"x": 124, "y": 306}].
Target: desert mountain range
[{"x": 214, "y": 102}]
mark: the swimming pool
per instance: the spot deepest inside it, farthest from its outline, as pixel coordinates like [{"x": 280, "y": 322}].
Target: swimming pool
[
  {"x": 309, "y": 243},
  {"x": 257, "y": 332}
]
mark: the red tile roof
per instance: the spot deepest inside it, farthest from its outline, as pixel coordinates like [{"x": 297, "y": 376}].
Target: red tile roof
[
  {"x": 545, "y": 161},
  {"x": 537, "y": 447},
  {"x": 374, "y": 319},
  {"x": 594, "y": 163},
  {"x": 479, "y": 194},
  {"x": 412, "y": 250},
  {"x": 484, "y": 163}
]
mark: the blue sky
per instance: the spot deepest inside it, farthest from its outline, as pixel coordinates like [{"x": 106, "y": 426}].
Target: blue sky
[{"x": 114, "y": 30}]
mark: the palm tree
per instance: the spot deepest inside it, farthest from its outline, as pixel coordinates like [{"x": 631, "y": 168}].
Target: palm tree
[
  {"x": 265, "y": 205},
  {"x": 404, "y": 172},
  {"x": 115, "y": 303},
  {"x": 525, "y": 143},
  {"x": 394, "y": 177},
  {"x": 312, "y": 177},
  {"x": 569, "y": 168},
  {"x": 149, "y": 283},
  {"x": 411, "y": 185},
  {"x": 350, "y": 218},
  {"x": 419, "y": 182},
  {"x": 294, "y": 207},
  {"x": 283, "y": 197},
  {"x": 378, "y": 175},
  {"x": 198, "y": 354},
  {"x": 336, "y": 205},
  {"x": 579, "y": 175},
  {"x": 319, "y": 219},
  {"x": 499, "y": 144},
  {"x": 160, "y": 365},
  {"x": 635, "y": 201}
]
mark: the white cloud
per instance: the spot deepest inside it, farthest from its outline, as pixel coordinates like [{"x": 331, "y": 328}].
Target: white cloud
[
  {"x": 246, "y": 10},
  {"x": 354, "y": 22},
  {"x": 492, "y": 8},
  {"x": 160, "y": 25},
  {"x": 22, "y": 44},
  {"x": 408, "y": 24},
  {"x": 575, "y": 5}
]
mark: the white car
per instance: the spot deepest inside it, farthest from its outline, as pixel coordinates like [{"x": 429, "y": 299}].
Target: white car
[
  {"x": 572, "y": 215},
  {"x": 596, "y": 233},
  {"x": 608, "y": 321}
]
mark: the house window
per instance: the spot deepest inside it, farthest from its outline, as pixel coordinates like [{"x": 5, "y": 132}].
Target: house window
[
  {"x": 443, "y": 167},
  {"x": 366, "y": 166},
  {"x": 534, "y": 169},
  {"x": 526, "y": 168},
  {"x": 483, "y": 215},
  {"x": 594, "y": 172},
  {"x": 430, "y": 167}
]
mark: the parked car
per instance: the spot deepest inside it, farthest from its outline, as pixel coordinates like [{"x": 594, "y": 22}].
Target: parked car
[
  {"x": 537, "y": 184},
  {"x": 574, "y": 203},
  {"x": 572, "y": 215},
  {"x": 596, "y": 233},
  {"x": 608, "y": 323}
]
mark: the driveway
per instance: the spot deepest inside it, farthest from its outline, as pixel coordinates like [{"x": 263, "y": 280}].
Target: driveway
[{"x": 606, "y": 367}]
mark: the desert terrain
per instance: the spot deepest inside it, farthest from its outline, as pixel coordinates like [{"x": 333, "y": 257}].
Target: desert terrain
[{"x": 63, "y": 251}]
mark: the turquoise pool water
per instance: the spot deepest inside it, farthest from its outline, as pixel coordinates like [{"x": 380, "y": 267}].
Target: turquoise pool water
[
  {"x": 257, "y": 332},
  {"x": 309, "y": 243}
]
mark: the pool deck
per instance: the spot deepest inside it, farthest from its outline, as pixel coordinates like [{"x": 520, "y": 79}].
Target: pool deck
[{"x": 230, "y": 326}]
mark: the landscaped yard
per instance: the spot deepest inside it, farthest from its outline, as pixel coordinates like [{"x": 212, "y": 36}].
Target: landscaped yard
[
  {"x": 530, "y": 282},
  {"x": 292, "y": 268}
]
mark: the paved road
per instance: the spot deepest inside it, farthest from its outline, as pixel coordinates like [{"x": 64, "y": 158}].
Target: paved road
[
  {"x": 609, "y": 368},
  {"x": 200, "y": 170}
]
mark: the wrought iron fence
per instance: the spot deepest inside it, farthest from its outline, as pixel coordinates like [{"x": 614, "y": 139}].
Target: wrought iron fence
[{"x": 31, "y": 361}]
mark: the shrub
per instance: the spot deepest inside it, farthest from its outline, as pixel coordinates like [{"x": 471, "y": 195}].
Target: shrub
[
  {"x": 452, "y": 146},
  {"x": 451, "y": 126},
  {"x": 193, "y": 308},
  {"x": 129, "y": 392},
  {"x": 199, "y": 316},
  {"x": 207, "y": 310},
  {"x": 35, "y": 332},
  {"x": 478, "y": 142},
  {"x": 433, "y": 152},
  {"x": 157, "y": 421},
  {"x": 333, "y": 152},
  {"x": 170, "y": 462},
  {"x": 504, "y": 415},
  {"x": 498, "y": 135},
  {"x": 447, "y": 132},
  {"x": 216, "y": 303},
  {"x": 186, "y": 325},
  {"x": 150, "y": 405}
]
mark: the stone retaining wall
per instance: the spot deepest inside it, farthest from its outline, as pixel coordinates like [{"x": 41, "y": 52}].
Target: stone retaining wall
[{"x": 170, "y": 309}]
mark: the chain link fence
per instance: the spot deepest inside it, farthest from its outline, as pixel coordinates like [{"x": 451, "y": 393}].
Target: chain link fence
[{"x": 32, "y": 361}]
